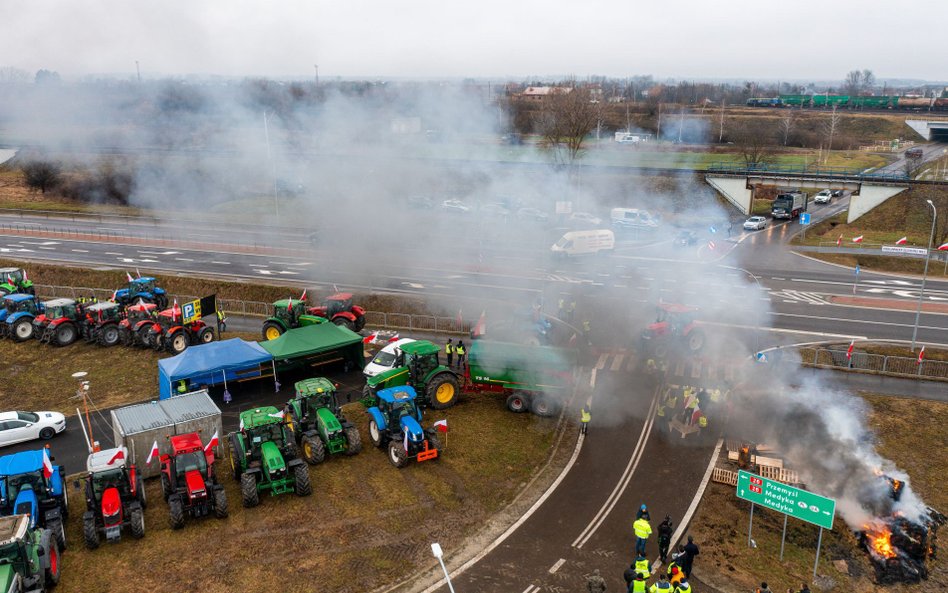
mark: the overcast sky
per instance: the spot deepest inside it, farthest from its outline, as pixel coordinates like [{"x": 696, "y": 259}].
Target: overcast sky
[{"x": 497, "y": 38}]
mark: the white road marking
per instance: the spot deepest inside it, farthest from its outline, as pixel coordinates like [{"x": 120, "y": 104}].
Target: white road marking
[
  {"x": 221, "y": 263},
  {"x": 530, "y": 589},
  {"x": 40, "y": 242},
  {"x": 557, "y": 566},
  {"x": 288, "y": 272},
  {"x": 159, "y": 252},
  {"x": 48, "y": 248},
  {"x": 80, "y": 250},
  {"x": 183, "y": 259},
  {"x": 112, "y": 253}
]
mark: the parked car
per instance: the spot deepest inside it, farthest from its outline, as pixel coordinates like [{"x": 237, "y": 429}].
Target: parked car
[
  {"x": 17, "y": 427},
  {"x": 686, "y": 238},
  {"x": 533, "y": 214},
  {"x": 838, "y": 193},
  {"x": 755, "y": 223},
  {"x": 387, "y": 358},
  {"x": 633, "y": 218},
  {"x": 585, "y": 219},
  {"x": 455, "y": 207},
  {"x": 495, "y": 210},
  {"x": 824, "y": 197}
]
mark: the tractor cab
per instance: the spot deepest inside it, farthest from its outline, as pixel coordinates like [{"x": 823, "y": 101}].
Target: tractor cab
[
  {"x": 19, "y": 494},
  {"x": 59, "y": 309},
  {"x": 103, "y": 312},
  {"x": 19, "y": 303},
  {"x": 110, "y": 484},
  {"x": 289, "y": 311},
  {"x": 317, "y": 393},
  {"x": 261, "y": 426},
  {"x": 15, "y": 280},
  {"x": 672, "y": 319},
  {"x": 398, "y": 403},
  {"x": 436, "y": 384},
  {"x": 144, "y": 288},
  {"x": 141, "y": 286},
  {"x": 337, "y": 303},
  {"x": 421, "y": 358},
  {"x": 187, "y": 465}
]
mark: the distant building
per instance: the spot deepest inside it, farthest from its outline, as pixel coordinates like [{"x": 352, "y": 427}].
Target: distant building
[{"x": 540, "y": 93}]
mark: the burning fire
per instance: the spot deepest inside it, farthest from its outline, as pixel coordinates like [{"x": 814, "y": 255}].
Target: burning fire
[{"x": 880, "y": 541}]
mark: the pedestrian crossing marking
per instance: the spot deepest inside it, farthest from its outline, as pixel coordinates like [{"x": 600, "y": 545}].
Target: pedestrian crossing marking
[
  {"x": 602, "y": 360},
  {"x": 617, "y": 362},
  {"x": 696, "y": 370}
]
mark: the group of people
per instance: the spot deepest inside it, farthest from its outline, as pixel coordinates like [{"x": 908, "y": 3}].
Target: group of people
[
  {"x": 451, "y": 350},
  {"x": 694, "y": 404}
]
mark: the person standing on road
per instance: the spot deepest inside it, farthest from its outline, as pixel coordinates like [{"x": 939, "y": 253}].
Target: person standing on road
[
  {"x": 221, "y": 322},
  {"x": 638, "y": 584},
  {"x": 683, "y": 586},
  {"x": 662, "y": 586},
  {"x": 687, "y": 561},
  {"x": 642, "y": 567},
  {"x": 584, "y": 418},
  {"x": 459, "y": 350},
  {"x": 764, "y": 588},
  {"x": 642, "y": 531},
  {"x": 643, "y": 512},
  {"x": 664, "y": 538},
  {"x": 629, "y": 576},
  {"x": 595, "y": 583},
  {"x": 449, "y": 353}
]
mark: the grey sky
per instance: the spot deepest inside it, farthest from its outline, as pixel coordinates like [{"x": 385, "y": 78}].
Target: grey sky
[{"x": 502, "y": 38}]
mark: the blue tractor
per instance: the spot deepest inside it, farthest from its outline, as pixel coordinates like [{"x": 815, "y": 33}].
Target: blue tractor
[
  {"x": 395, "y": 422},
  {"x": 17, "y": 314},
  {"x": 31, "y": 485},
  {"x": 143, "y": 289}
]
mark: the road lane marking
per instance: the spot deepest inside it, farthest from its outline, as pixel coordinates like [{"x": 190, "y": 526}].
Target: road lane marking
[
  {"x": 557, "y": 566},
  {"x": 221, "y": 263},
  {"x": 531, "y": 589},
  {"x": 80, "y": 250},
  {"x": 183, "y": 259}
]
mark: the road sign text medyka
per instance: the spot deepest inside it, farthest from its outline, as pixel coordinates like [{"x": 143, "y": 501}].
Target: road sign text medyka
[{"x": 788, "y": 500}]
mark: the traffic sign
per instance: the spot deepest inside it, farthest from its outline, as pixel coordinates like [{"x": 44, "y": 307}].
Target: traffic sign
[
  {"x": 795, "y": 502},
  {"x": 191, "y": 311},
  {"x": 804, "y": 218}
]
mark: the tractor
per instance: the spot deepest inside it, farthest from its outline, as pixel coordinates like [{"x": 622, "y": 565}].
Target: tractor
[
  {"x": 674, "y": 324},
  {"x": 288, "y": 314},
  {"x": 438, "y": 385},
  {"x": 135, "y": 329},
  {"x": 58, "y": 323},
  {"x": 115, "y": 497},
  {"x": 31, "y": 485},
  {"x": 14, "y": 281},
  {"x": 17, "y": 315},
  {"x": 317, "y": 421},
  {"x": 263, "y": 457},
  {"x": 141, "y": 289},
  {"x": 188, "y": 482},
  {"x": 170, "y": 333},
  {"x": 395, "y": 422},
  {"x": 29, "y": 558},
  {"x": 339, "y": 309},
  {"x": 101, "y": 323}
]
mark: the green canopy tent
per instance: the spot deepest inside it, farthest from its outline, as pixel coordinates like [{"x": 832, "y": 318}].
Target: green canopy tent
[{"x": 315, "y": 345}]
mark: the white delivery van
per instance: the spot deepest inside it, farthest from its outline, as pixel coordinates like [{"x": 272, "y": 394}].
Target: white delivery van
[
  {"x": 584, "y": 243},
  {"x": 387, "y": 358}
]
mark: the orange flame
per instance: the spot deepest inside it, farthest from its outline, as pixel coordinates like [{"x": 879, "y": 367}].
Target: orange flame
[{"x": 881, "y": 541}]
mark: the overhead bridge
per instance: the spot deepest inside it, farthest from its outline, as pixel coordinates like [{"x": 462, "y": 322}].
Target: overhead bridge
[
  {"x": 930, "y": 129},
  {"x": 738, "y": 183}
]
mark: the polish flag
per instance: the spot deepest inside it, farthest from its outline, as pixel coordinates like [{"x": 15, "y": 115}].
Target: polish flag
[
  {"x": 128, "y": 276},
  {"x": 921, "y": 356},
  {"x": 289, "y": 303},
  {"x": 241, "y": 427},
  {"x": 138, "y": 273},
  {"x": 394, "y": 338},
  {"x": 175, "y": 311},
  {"x": 481, "y": 327},
  {"x": 943, "y": 247},
  {"x": 303, "y": 296},
  {"x": 711, "y": 245},
  {"x": 460, "y": 320},
  {"x": 47, "y": 465},
  {"x": 120, "y": 454},
  {"x": 371, "y": 339},
  {"x": 902, "y": 241},
  {"x": 153, "y": 453},
  {"x": 441, "y": 425},
  {"x": 839, "y": 241},
  {"x": 25, "y": 276},
  {"x": 849, "y": 351},
  {"x": 277, "y": 415},
  {"x": 857, "y": 239},
  {"x": 212, "y": 443}
]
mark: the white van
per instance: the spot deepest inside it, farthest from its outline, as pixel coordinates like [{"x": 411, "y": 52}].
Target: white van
[
  {"x": 386, "y": 358},
  {"x": 633, "y": 218},
  {"x": 584, "y": 243}
]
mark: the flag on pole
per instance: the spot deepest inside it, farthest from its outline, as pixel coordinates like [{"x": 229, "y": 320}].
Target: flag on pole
[
  {"x": 114, "y": 295},
  {"x": 335, "y": 288},
  {"x": 849, "y": 351},
  {"x": 289, "y": 304},
  {"x": 241, "y": 427},
  {"x": 460, "y": 320},
  {"x": 857, "y": 239},
  {"x": 370, "y": 339},
  {"x": 138, "y": 273},
  {"x": 902, "y": 241},
  {"x": 128, "y": 276},
  {"x": 839, "y": 241},
  {"x": 711, "y": 245},
  {"x": 394, "y": 338},
  {"x": 277, "y": 415},
  {"x": 175, "y": 311},
  {"x": 212, "y": 443},
  {"x": 25, "y": 276},
  {"x": 481, "y": 327},
  {"x": 47, "y": 464},
  {"x": 441, "y": 425},
  {"x": 303, "y": 296},
  {"x": 153, "y": 453},
  {"x": 120, "y": 454},
  {"x": 943, "y": 247},
  {"x": 921, "y": 356}
]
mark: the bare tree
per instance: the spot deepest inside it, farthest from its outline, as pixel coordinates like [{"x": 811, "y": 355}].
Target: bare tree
[
  {"x": 831, "y": 126},
  {"x": 787, "y": 123},
  {"x": 853, "y": 82},
  {"x": 41, "y": 175},
  {"x": 868, "y": 80},
  {"x": 754, "y": 139},
  {"x": 566, "y": 119}
]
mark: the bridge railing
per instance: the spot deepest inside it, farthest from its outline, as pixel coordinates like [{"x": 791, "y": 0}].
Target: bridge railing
[
  {"x": 875, "y": 363},
  {"x": 802, "y": 170}
]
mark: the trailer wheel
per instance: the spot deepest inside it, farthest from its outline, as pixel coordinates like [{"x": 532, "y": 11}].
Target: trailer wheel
[
  {"x": 397, "y": 454},
  {"x": 301, "y": 484},
  {"x": 517, "y": 403},
  {"x": 314, "y": 451},
  {"x": 89, "y": 531},
  {"x": 443, "y": 391},
  {"x": 543, "y": 406},
  {"x": 137, "y": 519},
  {"x": 248, "y": 491},
  {"x": 220, "y": 503},
  {"x": 175, "y": 512},
  {"x": 353, "y": 441}
]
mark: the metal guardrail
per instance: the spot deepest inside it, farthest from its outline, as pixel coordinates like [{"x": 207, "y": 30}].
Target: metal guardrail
[
  {"x": 878, "y": 363},
  {"x": 801, "y": 170},
  {"x": 374, "y": 319}
]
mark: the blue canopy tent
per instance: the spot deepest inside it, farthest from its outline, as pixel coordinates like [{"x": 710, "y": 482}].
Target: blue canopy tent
[{"x": 212, "y": 364}]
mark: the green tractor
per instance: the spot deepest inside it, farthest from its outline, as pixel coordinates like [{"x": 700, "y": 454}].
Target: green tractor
[
  {"x": 288, "y": 314},
  {"x": 263, "y": 457},
  {"x": 437, "y": 385},
  {"x": 15, "y": 280},
  {"x": 317, "y": 422},
  {"x": 29, "y": 558}
]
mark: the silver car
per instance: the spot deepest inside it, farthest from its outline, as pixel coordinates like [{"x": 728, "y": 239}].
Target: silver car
[{"x": 755, "y": 223}]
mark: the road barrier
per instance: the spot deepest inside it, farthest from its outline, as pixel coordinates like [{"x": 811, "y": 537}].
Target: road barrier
[{"x": 902, "y": 366}]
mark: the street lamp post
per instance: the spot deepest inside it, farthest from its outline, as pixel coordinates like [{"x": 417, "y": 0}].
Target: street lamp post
[
  {"x": 436, "y": 550},
  {"x": 928, "y": 253},
  {"x": 276, "y": 202}
]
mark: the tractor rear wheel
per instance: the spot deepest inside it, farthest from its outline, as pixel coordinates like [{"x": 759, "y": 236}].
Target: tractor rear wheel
[
  {"x": 359, "y": 323},
  {"x": 66, "y": 334},
  {"x": 23, "y": 330},
  {"x": 272, "y": 330},
  {"x": 137, "y": 523},
  {"x": 543, "y": 406},
  {"x": 343, "y": 322},
  {"x": 125, "y": 336},
  {"x": 248, "y": 491},
  {"x": 220, "y": 503},
  {"x": 178, "y": 342},
  {"x": 140, "y": 489},
  {"x": 301, "y": 484},
  {"x": 353, "y": 441},
  {"x": 375, "y": 434},
  {"x": 235, "y": 466},
  {"x": 175, "y": 512},
  {"x": 517, "y": 403},
  {"x": 314, "y": 451},
  {"x": 89, "y": 532},
  {"x": 206, "y": 335},
  {"x": 52, "y": 564},
  {"x": 397, "y": 454},
  {"x": 695, "y": 340},
  {"x": 58, "y": 530},
  {"x": 443, "y": 391},
  {"x": 165, "y": 486},
  {"x": 144, "y": 336},
  {"x": 109, "y": 335}
]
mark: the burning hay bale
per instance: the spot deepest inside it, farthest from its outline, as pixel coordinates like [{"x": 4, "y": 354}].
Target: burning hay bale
[{"x": 900, "y": 549}]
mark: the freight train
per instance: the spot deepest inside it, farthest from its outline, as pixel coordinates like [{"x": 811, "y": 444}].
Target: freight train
[{"x": 853, "y": 102}]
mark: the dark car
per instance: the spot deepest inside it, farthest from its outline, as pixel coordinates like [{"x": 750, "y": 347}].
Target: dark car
[{"x": 686, "y": 238}]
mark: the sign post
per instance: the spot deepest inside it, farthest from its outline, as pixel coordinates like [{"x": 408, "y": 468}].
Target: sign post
[
  {"x": 856, "y": 279},
  {"x": 805, "y": 222}
]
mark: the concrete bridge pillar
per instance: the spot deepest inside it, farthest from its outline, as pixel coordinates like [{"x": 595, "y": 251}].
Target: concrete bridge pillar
[
  {"x": 870, "y": 196},
  {"x": 735, "y": 189}
]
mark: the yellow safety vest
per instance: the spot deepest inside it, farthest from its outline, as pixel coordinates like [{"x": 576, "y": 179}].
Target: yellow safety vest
[
  {"x": 683, "y": 588},
  {"x": 703, "y": 421},
  {"x": 660, "y": 586},
  {"x": 715, "y": 395},
  {"x": 448, "y": 349},
  {"x": 661, "y": 411},
  {"x": 459, "y": 350},
  {"x": 641, "y": 567},
  {"x": 642, "y": 528},
  {"x": 638, "y": 586},
  {"x": 584, "y": 416}
]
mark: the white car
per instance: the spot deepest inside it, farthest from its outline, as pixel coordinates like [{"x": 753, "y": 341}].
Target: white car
[
  {"x": 16, "y": 427},
  {"x": 755, "y": 223},
  {"x": 585, "y": 218},
  {"x": 455, "y": 207},
  {"x": 387, "y": 358},
  {"x": 824, "y": 197}
]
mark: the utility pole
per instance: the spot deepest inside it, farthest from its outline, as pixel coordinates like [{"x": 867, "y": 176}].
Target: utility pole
[
  {"x": 316, "y": 68},
  {"x": 658, "y": 129},
  {"x": 276, "y": 202},
  {"x": 139, "y": 71},
  {"x": 721, "y": 130},
  {"x": 681, "y": 123}
]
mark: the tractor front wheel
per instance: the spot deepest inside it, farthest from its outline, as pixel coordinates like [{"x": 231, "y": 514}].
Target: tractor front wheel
[
  {"x": 235, "y": 465},
  {"x": 272, "y": 330},
  {"x": 66, "y": 334},
  {"x": 433, "y": 441},
  {"x": 178, "y": 342},
  {"x": 126, "y": 337},
  {"x": 314, "y": 451},
  {"x": 375, "y": 434},
  {"x": 89, "y": 531},
  {"x": 144, "y": 336},
  {"x": 397, "y": 454},
  {"x": 248, "y": 491},
  {"x": 52, "y": 565},
  {"x": 443, "y": 391},
  {"x": 23, "y": 330},
  {"x": 137, "y": 521},
  {"x": 359, "y": 323},
  {"x": 301, "y": 484},
  {"x": 175, "y": 513},
  {"x": 165, "y": 486},
  {"x": 353, "y": 441},
  {"x": 343, "y": 322},
  {"x": 695, "y": 340},
  {"x": 517, "y": 403},
  {"x": 109, "y": 335},
  {"x": 206, "y": 335},
  {"x": 59, "y": 532},
  {"x": 220, "y": 503}
]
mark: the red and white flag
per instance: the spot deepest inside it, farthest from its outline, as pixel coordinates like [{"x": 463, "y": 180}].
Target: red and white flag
[
  {"x": 128, "y": 276},
  {"x": 857, "y": 239},
  {"x": 138, "y": 273},
  {"x": 460, "y": 320},
  {"x": 921, "y": 356},
  {"x": 303, "y": 296},
  {"x": 277, "y": 415},
  {"x": 711, "y": 245},
  {"x": 47, "y": 465},
  {"x": 441, "y": 425},
  {"x": 289, "y": 303},
  {"x": 839, "y": 241},
  {"x": 211, "y": 443},
  {"x": 153, "y": 453},
  {"x": 241, "y": 427},
  {"x": 481, "y": 327},
  {"x": 943, "y": 247},
  {"x": 902, "y": 241},
  {"x": 175, "y": 311},
  {"x": 119, "y": 455},
  {"x": 371, "y": 339},
  {"x": 394, "y": 338},
  {"x": 849, "y": 351},
  {"x": 25, "y": 276}
]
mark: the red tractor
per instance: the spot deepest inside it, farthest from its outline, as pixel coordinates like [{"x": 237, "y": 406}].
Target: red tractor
[
  {"x": 188, "y": 481},
  {"x": 674, "y": 324},
  {"x": 59, "y": 322},
  {"x": 339, "y": 309},
  {"x": 169, "y": 332},
  {"x": 101, "y": 323},
  {"x": 139, "y": 320},
  {"x": 115, "y": 498}
]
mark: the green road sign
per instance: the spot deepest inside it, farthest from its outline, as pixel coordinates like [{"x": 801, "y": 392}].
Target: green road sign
[{"x": 788, "y": 500}]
